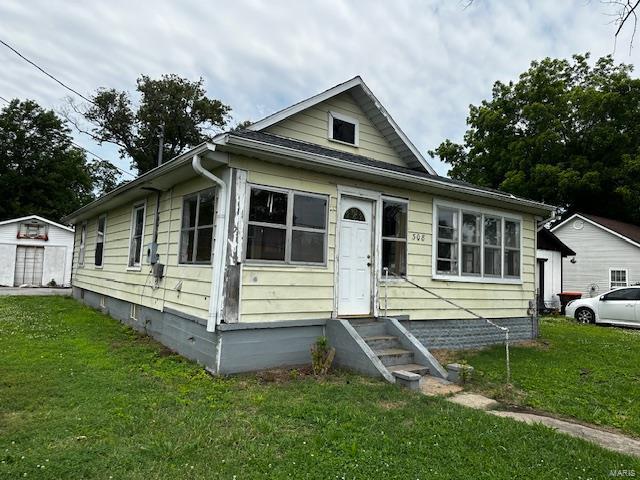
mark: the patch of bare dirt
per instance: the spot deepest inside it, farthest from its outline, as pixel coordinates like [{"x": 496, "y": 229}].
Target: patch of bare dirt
[{"x": 387, "y": 405}]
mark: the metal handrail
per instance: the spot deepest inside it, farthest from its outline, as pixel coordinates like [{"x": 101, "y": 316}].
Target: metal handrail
[{"x": 440, "y": 297}]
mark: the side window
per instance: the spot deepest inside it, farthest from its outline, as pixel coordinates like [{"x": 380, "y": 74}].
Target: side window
[
  {"x": 137, "y": 235},
  {"x": 623, "y": 294},
  {"x": 447, "y": 248},
  {"x": 83, "y": 243},
  {"x": 99, "y": 256},
  {"x": 618, "y": 278},
  {"x": 196, "y": 233},
  {"x": 394, "y": 237}
]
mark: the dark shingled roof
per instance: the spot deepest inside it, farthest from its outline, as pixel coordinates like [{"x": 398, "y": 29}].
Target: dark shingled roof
[
  {"x": 350, "y": 157},
  {"x": 547, "y": 240},
  {"x": 632, "y": 232}
]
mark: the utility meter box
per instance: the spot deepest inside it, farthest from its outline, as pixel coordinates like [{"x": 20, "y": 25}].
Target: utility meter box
[{"x": 152, "y": 253}]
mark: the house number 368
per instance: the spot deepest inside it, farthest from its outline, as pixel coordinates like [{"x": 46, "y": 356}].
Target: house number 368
[{"x": 419, "y": 237}]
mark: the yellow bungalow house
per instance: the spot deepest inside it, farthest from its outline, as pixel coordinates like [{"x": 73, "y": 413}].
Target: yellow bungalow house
[{"x": 320, "y": 219}]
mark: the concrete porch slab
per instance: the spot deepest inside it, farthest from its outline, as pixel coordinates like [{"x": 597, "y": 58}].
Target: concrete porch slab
[{"x": 473, "y": 400}]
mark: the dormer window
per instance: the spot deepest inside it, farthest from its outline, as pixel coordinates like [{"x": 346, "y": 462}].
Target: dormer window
[{"x": 343, "y": 129}]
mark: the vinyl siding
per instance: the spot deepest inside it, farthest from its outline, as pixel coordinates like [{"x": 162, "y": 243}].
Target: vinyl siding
[
  {"x": 117, "y": 280},
  {"x": 596, "y": 252},
  {"x": 272, "y": 293},
  {"x": 311, "y": 125}
]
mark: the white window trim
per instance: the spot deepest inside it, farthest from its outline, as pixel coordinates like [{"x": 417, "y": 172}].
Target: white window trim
[
  {"x": 104, "y": 239},
  {"x": 137, "y": 268},
  {"x": 213, "y": 237},
  {"x": 470, "y": 208},
  {"x": 82, "y": 249},
  {"x": 626, "y": 277},
  {"x": 380, "y": 274},
  {"x": 288, "y": 227},
  {"x": 344, "y": 118},
  {"x": 133, "y": 312}
]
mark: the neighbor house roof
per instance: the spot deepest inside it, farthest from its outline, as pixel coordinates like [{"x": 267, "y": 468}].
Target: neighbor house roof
[
  {"x": 374, "y": 110},
  {"x": 547, "y": 240},
  {"x": 626, "y": 231},
  {"x": 36, "y": 217}
]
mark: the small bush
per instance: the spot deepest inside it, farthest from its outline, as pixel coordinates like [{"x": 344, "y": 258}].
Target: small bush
[{"x": 321, "y": 356}]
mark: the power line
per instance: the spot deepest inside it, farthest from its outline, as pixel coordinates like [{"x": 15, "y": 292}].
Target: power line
[
  {"x": 45, "y": 72},
  {"x": 100, "y": 158},
  {"x": 4, "y": 99}
]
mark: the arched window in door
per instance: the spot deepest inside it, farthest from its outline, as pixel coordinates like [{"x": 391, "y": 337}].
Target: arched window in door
[{"x": 354, "y": 214}]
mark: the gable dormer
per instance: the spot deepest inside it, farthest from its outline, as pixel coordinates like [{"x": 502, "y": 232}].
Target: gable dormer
[{"x": 347, "y": 118}]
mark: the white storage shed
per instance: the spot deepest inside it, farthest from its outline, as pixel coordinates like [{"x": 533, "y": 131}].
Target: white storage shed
[{"x": 35, "y": 252}]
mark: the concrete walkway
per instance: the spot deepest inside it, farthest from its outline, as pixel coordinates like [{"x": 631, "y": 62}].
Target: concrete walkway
[
  {"x": 609, "y": 440},
  {"x": 38, "y": 291}
]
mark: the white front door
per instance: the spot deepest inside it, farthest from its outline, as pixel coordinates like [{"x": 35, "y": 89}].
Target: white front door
[{"x": 355, "y": 258}]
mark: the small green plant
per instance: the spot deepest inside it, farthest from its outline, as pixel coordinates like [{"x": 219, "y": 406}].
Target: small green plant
[
  {"x": 465, "y": 371},
  {"x": 321, "y": 356}
]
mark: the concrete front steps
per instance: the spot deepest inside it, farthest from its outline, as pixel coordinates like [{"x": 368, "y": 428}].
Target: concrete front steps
[{"x": 382, "y": 347}]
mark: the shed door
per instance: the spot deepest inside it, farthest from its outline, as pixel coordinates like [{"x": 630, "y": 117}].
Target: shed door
[
  {"x": 29, "y": 261},
  {"x": 354, "y": 263}
]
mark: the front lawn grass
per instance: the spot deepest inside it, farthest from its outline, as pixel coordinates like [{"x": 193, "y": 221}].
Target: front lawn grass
[
  {"x": 588, "y": 372},
  {"x": 81, "y": 396}
]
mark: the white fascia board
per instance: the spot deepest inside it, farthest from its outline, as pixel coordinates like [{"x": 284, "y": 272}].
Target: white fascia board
[
  {"x": 596, "y": 224},
  {"x": 322, "y": 160},
  {"x": 303, "y": 105},
  {"x": 332, "y": 92},
  {"x": 37, "y": 217}
]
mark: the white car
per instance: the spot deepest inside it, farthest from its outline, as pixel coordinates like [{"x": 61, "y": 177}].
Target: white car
[{"x": 617, "y": 307}]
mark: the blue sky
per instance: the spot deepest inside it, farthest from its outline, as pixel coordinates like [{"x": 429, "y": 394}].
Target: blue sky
[{"x": 425, "y": 60}]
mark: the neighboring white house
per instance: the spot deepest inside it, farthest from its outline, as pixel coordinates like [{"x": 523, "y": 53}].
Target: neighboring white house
[
  {"x": 35, "y": 252},
  {"x": 607, "y": 254},
  {"x": 549, "y": 255}
]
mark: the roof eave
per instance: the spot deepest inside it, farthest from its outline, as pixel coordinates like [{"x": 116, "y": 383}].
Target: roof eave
[
  {"x": 229, "y": 139},
  {"x": 338, "y": 89},
  {"x": 147, "y": 177}
]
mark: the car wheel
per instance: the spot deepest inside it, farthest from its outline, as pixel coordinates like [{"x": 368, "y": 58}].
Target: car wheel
[{"x": 585, "y": 315}]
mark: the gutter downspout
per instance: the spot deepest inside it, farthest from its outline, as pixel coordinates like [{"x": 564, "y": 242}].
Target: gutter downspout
[{"x": 219, "y": 255}]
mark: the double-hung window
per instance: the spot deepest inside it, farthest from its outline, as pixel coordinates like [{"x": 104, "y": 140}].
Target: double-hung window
[
  {"x": 100, "y": 232},
  {"x": 196, "y": 234},
  {"x": 394, "y": 237},
  {"x": 473, "y": 244},
  {"x": 83, "y": 243},
  {"x": 286, "y": 226},
  {"x": 618, "y": 278},
  {"x": 137, "y": 235}
]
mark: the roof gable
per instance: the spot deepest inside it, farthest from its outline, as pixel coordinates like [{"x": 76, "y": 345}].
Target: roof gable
[
  {"x": 387, "y": 142},
  {"x": 626, "y": 231},
  {"x": 36, "y": 217}
]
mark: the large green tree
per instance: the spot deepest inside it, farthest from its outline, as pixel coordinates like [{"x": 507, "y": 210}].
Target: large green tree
[
  {"x": 178, "y": 105},
  {"x": 567, "y": 133},
  {"x": 41, "y": 171}
]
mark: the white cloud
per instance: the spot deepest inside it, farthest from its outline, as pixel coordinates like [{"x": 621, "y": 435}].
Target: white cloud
[{"x": 426, "y": 61}]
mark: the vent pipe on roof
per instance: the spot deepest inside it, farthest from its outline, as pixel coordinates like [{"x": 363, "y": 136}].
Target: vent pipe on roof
[{"x": 216, "y": 302}]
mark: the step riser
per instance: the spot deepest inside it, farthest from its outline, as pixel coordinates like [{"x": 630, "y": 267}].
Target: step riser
[
  {"x": 401, "y": 359},
  {"x": 382, "y": 344},
  {"x": 371, "y": 329}
]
